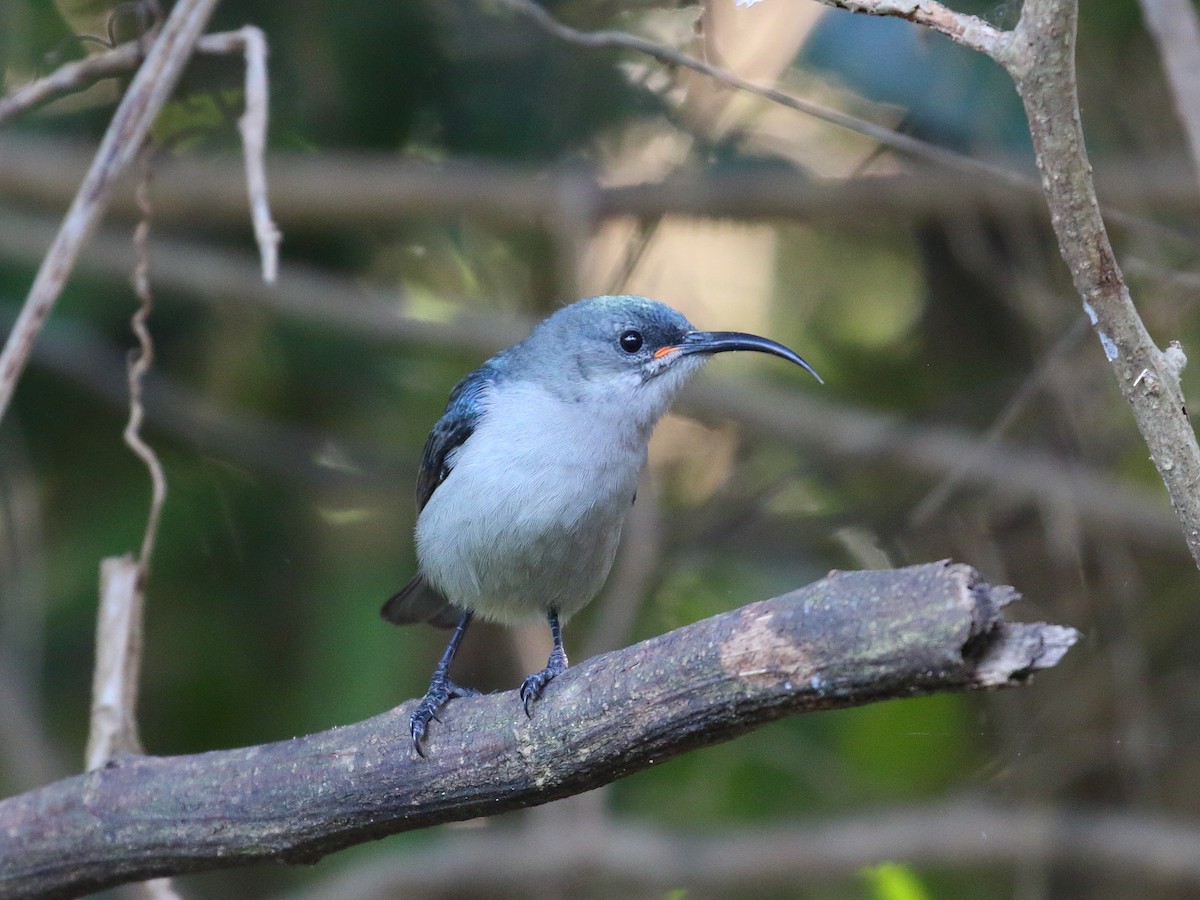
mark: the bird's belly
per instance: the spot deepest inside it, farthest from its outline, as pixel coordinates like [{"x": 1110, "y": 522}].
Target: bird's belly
[{"x": 521, "y": 539}]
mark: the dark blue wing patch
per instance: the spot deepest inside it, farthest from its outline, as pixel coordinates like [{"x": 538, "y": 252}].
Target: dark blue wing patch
[{"x": 452, "y": 430}]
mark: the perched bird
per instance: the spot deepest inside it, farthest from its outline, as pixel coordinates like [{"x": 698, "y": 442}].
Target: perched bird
[{"x": 527, "y": 477}]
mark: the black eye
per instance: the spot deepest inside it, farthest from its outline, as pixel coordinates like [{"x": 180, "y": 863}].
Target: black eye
[{"x": 631, "y": 341}]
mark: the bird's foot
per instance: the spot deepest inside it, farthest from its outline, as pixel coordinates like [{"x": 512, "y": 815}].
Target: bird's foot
[
  {"x": 441, "y": 690},
  {"x": 533, "y": 685}
]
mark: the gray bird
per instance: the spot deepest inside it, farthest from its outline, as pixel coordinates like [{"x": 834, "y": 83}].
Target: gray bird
[{"x": 527, "y": 477}]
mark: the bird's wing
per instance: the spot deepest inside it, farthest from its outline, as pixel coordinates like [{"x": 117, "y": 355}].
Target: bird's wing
[
  {"x": 419, "y": 601},
  {"x": 451, "y": 431}
]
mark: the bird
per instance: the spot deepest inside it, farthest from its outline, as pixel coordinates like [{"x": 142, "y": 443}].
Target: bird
[{"x": 527, "y": 477}]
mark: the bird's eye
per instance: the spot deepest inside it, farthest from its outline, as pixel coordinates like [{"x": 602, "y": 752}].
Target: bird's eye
[{"x": 631, "y": 341}]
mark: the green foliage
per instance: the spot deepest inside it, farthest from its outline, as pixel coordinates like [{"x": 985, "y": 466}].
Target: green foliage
[
  {"x": 891, "y": 881},
  {"x": 187, "y": 124}
]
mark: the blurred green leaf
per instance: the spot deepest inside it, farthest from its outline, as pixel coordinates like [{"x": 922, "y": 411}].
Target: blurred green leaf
[{"x": 893, "y": 881}]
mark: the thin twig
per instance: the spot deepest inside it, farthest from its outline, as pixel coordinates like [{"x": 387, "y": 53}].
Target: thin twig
[
  {"x": 130, "y": 124},
  {"x": 253, "y": 127},
  {"x": 140, "y": 362},
  {"x": 73, "y": 77},
  {"x": 69, "y": 79},
  {"x": 970, "y": 31},
  {"x": 119, "y": 643}
]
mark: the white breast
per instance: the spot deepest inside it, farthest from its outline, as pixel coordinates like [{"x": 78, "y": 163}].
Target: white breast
[{"x": 530, "y": 516}]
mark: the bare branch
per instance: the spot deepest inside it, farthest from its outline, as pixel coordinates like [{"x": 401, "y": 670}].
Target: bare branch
[
  {"x": 253, "y": 127},
  {"x": 113, "y": 728},
  {"x": 970, "y": 31},
  {"x": 130, "y": 124},
  {"x": 76, "y": 76},
  {"x": 70, "y": 78},
  {"x": 852, "y": 638},
  {"x": 139, "y": 365},
  {"x": 249, "y": 41}
]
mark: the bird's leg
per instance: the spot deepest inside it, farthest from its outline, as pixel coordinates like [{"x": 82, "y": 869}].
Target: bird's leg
[
  {"x": 532, "y": 687},
  {"x": 441, "y": 688}
]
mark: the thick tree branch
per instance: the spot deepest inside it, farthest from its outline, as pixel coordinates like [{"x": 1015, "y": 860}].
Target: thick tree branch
[{"x": 852, "y": 638}]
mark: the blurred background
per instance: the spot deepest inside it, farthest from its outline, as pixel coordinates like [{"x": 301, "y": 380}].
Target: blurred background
[{"x": 446, "y": 173}]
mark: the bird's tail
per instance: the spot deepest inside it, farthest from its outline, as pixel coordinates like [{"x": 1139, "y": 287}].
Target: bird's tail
[{"x": 419, "y": 601}]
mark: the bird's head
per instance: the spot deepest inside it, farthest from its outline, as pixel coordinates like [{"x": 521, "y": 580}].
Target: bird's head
[{"x": 627, "y": 350}]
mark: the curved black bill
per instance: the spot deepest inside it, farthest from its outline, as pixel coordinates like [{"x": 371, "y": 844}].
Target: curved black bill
[{"x": 720, "y": 341}]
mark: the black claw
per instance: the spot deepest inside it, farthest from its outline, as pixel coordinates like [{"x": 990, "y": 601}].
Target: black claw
[
  {"x": 417, "y": 729},
  {"x": 533, "y": 685},
  {"x": 441, "y": 691},
  {"x": 417, "y": 724}
]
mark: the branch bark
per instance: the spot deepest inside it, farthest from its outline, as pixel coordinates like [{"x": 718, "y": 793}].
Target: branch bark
[{"x": 849, "y": 639}]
